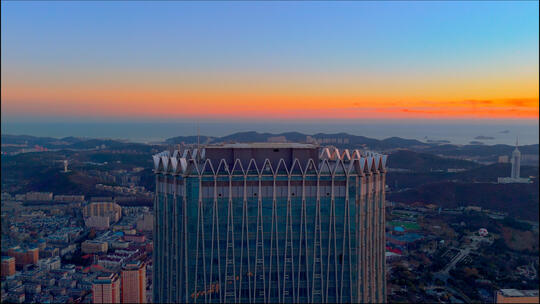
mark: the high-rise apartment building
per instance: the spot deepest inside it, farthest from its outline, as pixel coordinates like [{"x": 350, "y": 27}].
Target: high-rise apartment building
[
  {"x": 109, "y": 209},
  {"x": 269, "y": 222},
  {"x": 134, "y": 282},
  {"x": 106, "y": 289},
  {"x": 24, "y": 256},
  {"x": 8, "y": 266}
]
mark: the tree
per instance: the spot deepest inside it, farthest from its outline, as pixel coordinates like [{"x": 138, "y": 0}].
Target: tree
[
  {"x": 92, "y": 234},
  {"x": 470, "y": 272}
]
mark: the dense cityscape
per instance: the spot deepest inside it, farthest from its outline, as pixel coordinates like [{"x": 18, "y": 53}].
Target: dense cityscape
[{"x": 78, "y": 245}]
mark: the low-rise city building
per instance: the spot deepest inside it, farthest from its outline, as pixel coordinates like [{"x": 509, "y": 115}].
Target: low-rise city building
[
  {"x": 97, "y": 222},
  {"x": 24, "y": 256},
  {"x": 94, "y": 246},
  {"x": 516, "y": 296},
  {"x": 69, "y": 198},
  {"x": 138, "y": 238},
  {"x": 71, "y": 248},
  {"x": 39, "y": 196},
  {"x": 50, "y": 263},
  {"x": 49, "y": 252},
  {"x": 146, "y": 223}
]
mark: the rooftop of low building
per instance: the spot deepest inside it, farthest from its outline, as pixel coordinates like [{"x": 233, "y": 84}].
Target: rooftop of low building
[
  {"x": 260, "y": 145},
  {"x": 519, "y": 293}
]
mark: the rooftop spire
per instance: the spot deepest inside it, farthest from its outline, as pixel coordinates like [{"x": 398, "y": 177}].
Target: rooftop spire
[{"x": 198, "y": 135}]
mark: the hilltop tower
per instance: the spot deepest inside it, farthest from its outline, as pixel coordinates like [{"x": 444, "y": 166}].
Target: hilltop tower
[
  {"x": 514, "y": 174},
  {"x": 516, "y": 160}
]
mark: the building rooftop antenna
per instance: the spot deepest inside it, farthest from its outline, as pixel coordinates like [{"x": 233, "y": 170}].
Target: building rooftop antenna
[{"x": 198, "y": 135}]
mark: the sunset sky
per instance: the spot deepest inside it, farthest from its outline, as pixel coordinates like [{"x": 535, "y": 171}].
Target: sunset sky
[{"x": 270, "y": 60}]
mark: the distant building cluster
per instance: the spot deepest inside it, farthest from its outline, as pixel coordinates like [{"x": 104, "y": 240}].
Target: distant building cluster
[
  {"x": 327, "y": 140},
  {"x": 34, "y": 196},
  {"x": 98, "y": 222},
  {"x": 69, "y": 198},
  {"x": 100, "y": 215},
  {"x": 277, "y": 139},
  {"x": 24, "y": 148},
  {"x": 110, "y": 209},
  {"x": 43, "y": 197},
  {"x": 39, "y": 242},
  {"x": 133, "y": 190},
  {"x": 64, "y": 236},
  {"x": 121, "y": 176}
]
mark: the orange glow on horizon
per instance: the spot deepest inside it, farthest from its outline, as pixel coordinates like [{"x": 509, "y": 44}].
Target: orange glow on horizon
[
  {"x": 256, "y": 61},
  {"x": 120, "y": 102}
]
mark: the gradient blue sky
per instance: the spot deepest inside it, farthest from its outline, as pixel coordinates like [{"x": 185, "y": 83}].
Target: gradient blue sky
[{"x": 155, "y": 60}]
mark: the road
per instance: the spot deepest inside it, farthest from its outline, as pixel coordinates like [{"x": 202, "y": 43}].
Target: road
[{"x": 462, "y": 253}]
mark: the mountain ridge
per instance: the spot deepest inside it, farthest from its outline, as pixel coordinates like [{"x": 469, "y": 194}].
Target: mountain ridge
[{"x": 481, "y": 153}]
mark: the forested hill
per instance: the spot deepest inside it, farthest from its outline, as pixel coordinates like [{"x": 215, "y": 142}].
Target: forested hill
[{"x": 519, "y": 200}]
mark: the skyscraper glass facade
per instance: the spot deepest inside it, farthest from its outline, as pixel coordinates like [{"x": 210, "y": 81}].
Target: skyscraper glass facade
[{"x": 269, "y": 223}]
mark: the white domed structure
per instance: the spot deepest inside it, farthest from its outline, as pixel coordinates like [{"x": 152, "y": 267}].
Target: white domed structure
[{"x": 482, "y": 232}]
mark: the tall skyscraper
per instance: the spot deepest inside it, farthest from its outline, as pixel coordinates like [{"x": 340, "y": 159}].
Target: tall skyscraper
[
  {"x": 269, "y": 222},
  {"x": 134, "y": 282},
  {"x": 106, "y": 289},
  {"x": 516, "y": 162}
]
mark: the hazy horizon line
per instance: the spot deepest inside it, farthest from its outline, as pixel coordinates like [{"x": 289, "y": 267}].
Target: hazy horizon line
[{"x": 205, "y": 120}]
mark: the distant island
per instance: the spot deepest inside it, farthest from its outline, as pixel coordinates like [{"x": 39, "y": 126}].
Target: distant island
[
  {"x": 477, "y": 151},
  {"x": 482, "y": 137},
  {"x": 475, "y": 142},
  {"x": 505, "y": 132}
]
